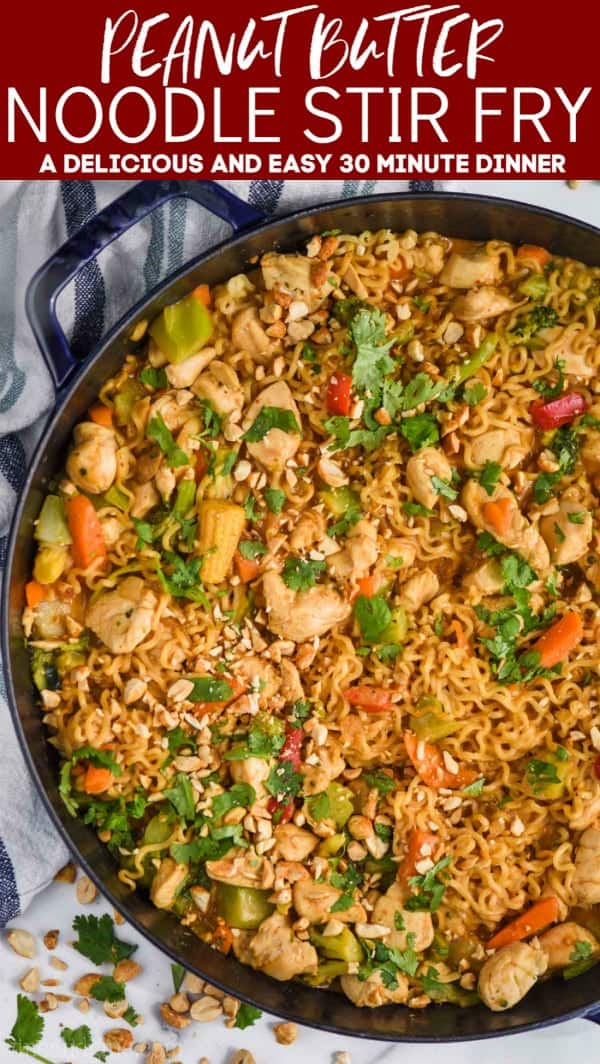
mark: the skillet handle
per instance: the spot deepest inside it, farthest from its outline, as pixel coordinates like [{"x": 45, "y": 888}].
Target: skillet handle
[
  {"x": 106, "y": 226},
  {"x": 593, "y": 1015}
]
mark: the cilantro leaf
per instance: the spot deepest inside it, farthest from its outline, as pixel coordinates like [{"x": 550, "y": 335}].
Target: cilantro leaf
[
  {"x": 240, "y": 795},
  {"x": 251, "y": 549},
  {"x": 300, "y": 574},
  {"x": 443, "y": 487},
  {"x": 431, "y": 888},
  {"x": 350, "y": 517},
  {"x": 275, "y": 499},
  {"x": 475, "y": 393},
  {"x": 154, "y": 377},
  {"x": 416, "y": 509},
  {"x": 157, "y": 430},
  {"x": 181, "y": 797},
  {"x": 489, "y": 545},
  {"x": 581, "y": 950},
  {"x": 301, "y": 709},
  {"x": 422, "y": 304},
  {"x": 539, "y": 773},
  {"x": 178, "y": 739},
  {"x": 372, "y": 362},
  {"x": 131, "y": 1016},
  {"x": 209, "y": 689},
  {"x": 246, "y": 1016},
  {"x": 319, "y": 806},
  {"x": 77, "y": 1037},
  {"x": 489, "y": 476},
  {"x": 473, "y": 790},
  {"x": 27, "y": 1029},
  {"x": 184, "y": 579},
  {"x": 373, "y": 616},
  {"x": 270, "y": 417},
  {"x": 106, "y": 988},
  {"x": 283, "y": 782},
  {"x": 420, "y": 431},
  {"x": 97, "y": 940},
  {"x": 380, "y": 780}
]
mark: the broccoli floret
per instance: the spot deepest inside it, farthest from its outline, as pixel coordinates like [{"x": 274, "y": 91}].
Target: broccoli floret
[{"x": 531, "y": 324}]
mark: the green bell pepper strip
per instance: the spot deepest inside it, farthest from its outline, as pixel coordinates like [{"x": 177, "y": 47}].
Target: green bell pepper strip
[
  {"x": 342, "y": 947},
  {"x": 478, "y": 359},
  {"x": 182, "y": 328},
  {"x": 242, "y": 907},
  {"x": 115, "y": 497},
  {"x": 341, "y": 803},
  {"x": 432, "y": 726},
  {"x": 331, "y": 846},
  {"x": 339, "y": 500},
  {"x": 326, "y": 973},
  {"x": 397, "y": 629},
  {"x": 130, "y": 391},
  {"x": 185, "y": 498},
  {"x": 51, "y": 526}
]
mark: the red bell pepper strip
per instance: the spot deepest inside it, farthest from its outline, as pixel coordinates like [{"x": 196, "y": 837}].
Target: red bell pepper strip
[
  {"x": 338, "y": 394},
  {"x": 559, "y": 411},
  {"x": 371, "y": 699},
  {"x": 290, "y": 751}
]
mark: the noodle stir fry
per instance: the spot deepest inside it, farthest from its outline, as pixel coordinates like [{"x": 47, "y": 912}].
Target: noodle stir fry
[{"x": 314, "y": 617}]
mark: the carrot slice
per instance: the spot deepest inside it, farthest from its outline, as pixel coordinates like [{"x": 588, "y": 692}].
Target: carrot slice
[
  {"x": 533, "y": 253},
  {"x": 543, "y": 912},
  {"x": 34, "y": 593},
  {"x": 247, "y": 568},
  {"x": 202, "y": 294},
  {"x": 97, "y": 779},
  {"x": 201, "y": 467},
  {"x": 421, "y": 844},
  {"x": 428, "y": 761},
  {"x": 559, "y": 640},
  {"x": 461, "y": 640},
  {"x": 101, "y": 414},
  {"x": 368, "y": 585},
  {"x": 86, "y": 532},
  {"x": 497, "y": 513},
  {"x": 371, "y": 699}
]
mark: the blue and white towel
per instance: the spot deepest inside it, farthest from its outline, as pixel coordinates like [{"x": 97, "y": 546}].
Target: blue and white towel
[{"x": 35, "y": 218}]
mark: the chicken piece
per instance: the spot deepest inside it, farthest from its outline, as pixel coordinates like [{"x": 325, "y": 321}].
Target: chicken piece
[
  {"x": 276, "y": 951},
  {"x": 145, "y": 498},
  {"x": 258, "y": 675},
  {"x": 173, "y": 408},
  {"x": 467, "y": 268},
  {"x": 147, "y": 465},
  {"x": 565, "y": 345},
  {"x": 430, "y": 258},
  {"x": 359, "y": 554},
  {"x": 277, "y": 446},
  {"x": 248, "y": 334},
  {"x": 509, "y": 974},
  {"x": 508, "y": 446},
  {"x": 396, "y": 547},
  {"x": 558, "y": 943},
  {"x": 291, "y": 684},
  {"x": 520, "y": 535},
  {"x": 590, "y": 449},
  {"x": 294, "y": 844},
  {"x": 586, "y": 879},
  {"x": 220, "y": 386},
  {"x": 242, "y": 868},
  {"x": 371, "y": 993},
  {"x": 183, "y": 374},
  {"x": 308, "y": 530},
  {"x": 252, "y": 770},
  {"x": 567, "y": 539},
  {"x": 418, "y": 924},
  {"x": 487, "y": 579},
  {"x": 123, "y": 618},
  {"x": 419, "y": 589},
  {"x": 302, "y": 615},
  {"x": 481, "y": 303},
  {"x": 314, "y": 900},
  {"x": 168, "y": 880},
  {"x": 92, "y": 461},
  {"x": 50, "y": 619},
  {"x": 331, "y": 765},
  {"x": 293, "y": 274},
  {"x": 425, "y": 464}
]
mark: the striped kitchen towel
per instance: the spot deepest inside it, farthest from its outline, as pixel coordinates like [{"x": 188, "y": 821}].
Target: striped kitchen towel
[{"x": 35, "y": 218}]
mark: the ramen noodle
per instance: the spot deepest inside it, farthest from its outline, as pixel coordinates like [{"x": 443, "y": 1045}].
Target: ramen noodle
[{"x": 314, "y": 617}]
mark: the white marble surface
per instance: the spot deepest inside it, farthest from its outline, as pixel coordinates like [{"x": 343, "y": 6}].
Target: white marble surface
[{"x": 56, "y": 907}]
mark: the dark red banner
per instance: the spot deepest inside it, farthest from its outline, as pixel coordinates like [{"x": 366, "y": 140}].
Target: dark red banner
[{"x": 490, "y": 88}]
